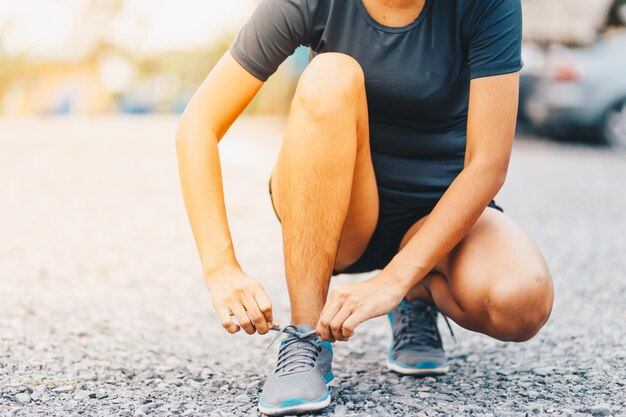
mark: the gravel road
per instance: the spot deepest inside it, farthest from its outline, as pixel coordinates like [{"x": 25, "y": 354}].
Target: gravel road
[{"x": 103, "y": 310}]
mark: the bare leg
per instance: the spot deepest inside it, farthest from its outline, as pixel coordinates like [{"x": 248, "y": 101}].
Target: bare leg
[
  {"x": 495, "y": 281},
  {"x": 323, "y": 183}
]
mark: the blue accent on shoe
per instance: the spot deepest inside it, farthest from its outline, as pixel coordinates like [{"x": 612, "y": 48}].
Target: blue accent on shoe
[
  {"x": 290, "y": 402},
  {"x": 327, "y": 345},
  {"x": 329, "y": 377},
  {"x": 420, "y": 365}
]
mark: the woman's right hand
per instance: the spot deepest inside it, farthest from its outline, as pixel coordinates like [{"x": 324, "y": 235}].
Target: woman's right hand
[{"x": 233, "y": 293}]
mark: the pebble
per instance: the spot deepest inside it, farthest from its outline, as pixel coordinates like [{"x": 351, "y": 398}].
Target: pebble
[
  {"x": 83, "y": 395},
  {"x": 38, "y": 393},
  {"x": 600, "y": 410},
  {"x": 22, "y": 398},
  {"x": 63, "y": 389}
]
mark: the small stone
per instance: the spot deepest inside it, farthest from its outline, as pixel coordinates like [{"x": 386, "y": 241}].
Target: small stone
[
  {"x": 350, "y": 405},
  {"x": 22, "y": 398},
  {"x": 242, "y": 398},
  {"x": 38, "y": 393},
  {"x": 600, "y": 410},
  {"x": 84, "y": 394},
  {"x": 253, "y": 386},
  {"x": 536, "y": 408},
  {"x": 532, "y": 394},
  {"x": 543, "y": 371},
  {"x": 63, "y": 390},
  {"x": 141, "y": 411}
]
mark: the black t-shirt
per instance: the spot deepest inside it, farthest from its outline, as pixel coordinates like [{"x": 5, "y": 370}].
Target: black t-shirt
[{"x": 416, "y": 76}]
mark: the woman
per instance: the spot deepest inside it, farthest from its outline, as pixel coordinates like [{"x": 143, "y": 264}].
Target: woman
[{"x": 398, "y": 139}]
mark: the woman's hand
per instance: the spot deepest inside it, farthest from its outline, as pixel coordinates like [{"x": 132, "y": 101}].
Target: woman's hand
[
  {"x": 233, "y": 293},
  {"x": 349, "y": 305}
]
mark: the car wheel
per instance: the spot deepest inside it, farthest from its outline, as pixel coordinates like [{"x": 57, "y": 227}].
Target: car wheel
[{"x": 613, "y": 129}]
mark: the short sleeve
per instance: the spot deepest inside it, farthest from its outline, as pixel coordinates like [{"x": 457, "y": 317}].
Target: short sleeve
[
  {"x": 495, "y": 38},
  {"x": 275, "y": 30}
]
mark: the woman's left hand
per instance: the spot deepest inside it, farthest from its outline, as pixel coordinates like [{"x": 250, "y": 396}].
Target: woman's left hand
[{"x": 349, "y": 305}]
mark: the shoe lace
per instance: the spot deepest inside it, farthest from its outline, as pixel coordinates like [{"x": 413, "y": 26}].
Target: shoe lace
[
  {"x": 298, "y": 351},
  {"x": 418, "y": 327}
]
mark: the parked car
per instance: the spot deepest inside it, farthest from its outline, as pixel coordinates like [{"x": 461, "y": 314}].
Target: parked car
[
  {"x": 534, "y": 58},
  {"x": 582, "y": 93}
]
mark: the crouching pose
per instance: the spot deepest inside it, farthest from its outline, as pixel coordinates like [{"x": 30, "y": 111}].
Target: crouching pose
[{"x": 398, "y": 139}]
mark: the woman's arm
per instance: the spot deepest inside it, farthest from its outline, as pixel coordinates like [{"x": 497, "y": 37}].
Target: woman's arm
[
  {"x": 490, "y": 132},
  {"x": 221, "y": 98}
]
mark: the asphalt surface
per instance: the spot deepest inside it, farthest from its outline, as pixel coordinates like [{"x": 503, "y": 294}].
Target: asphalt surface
[{"x": 103, "y": 310}]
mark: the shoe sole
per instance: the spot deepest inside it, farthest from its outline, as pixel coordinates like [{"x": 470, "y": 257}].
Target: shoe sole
[
  {"x": 417, "y": 371},
  {"x": 302, "y": 408},
  {"x": 295, "y": 409}
]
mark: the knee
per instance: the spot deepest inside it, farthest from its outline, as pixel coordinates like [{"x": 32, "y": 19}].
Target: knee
[
  {"x": 518, "y": 308},
  {"x": 329, "y": 83}
]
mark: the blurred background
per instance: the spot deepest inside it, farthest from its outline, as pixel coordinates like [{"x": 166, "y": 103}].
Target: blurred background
[
  {"x": 108, "y": 56},
  {"x": 147, "y": 56},
  {"x": 103, "y": 309}
]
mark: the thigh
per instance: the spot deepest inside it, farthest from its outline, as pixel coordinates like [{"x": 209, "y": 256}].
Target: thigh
[
  {"x": 362, "y": 212},
  {"x": 496, "y": 260}
]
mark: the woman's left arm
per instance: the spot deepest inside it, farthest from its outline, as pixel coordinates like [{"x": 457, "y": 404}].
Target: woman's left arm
[{"x": 490, "y": 131}]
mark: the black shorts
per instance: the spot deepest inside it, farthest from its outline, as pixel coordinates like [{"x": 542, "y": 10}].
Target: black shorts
[{"x": 395, "y": 218}]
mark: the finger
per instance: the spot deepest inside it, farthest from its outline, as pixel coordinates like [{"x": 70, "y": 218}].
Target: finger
[
  {"x": 350, "y": 324},
  {"x": 347, "y": 333},
  {"x": 265, "y": 305},
  {"x": 254, "y": 313},
  {"x": 336, "y": 324},
  {"x": 330, "y": 310},
  {"x": 242, "y": 317},
  {"x": 224, "y": 315}
]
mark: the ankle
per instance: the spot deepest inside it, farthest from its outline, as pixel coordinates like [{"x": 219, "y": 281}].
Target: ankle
[{"x": 300, "y": 320}]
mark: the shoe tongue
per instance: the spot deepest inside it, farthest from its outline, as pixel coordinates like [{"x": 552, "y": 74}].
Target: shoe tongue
[{"x": 304, "y": 327}]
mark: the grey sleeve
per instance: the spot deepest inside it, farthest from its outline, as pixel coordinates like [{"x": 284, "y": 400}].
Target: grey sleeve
[{"x": 275, "y": 30}]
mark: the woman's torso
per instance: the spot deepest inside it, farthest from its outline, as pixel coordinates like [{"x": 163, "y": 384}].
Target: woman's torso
[{"x": 417, "y": 77}]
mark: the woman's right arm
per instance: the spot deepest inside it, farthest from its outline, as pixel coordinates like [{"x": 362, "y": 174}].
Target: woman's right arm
[{"x": 221, "y": 98}]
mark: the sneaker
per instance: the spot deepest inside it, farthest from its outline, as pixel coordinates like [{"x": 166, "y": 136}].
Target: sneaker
[
  {"x": 299, "y": 382},
  {"x": 416, "y": 346}
]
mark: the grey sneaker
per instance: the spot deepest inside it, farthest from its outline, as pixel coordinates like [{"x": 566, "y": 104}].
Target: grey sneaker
[
  {"x": 416, "y": 346},
  {"x": 299, "y": 381}
]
